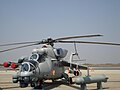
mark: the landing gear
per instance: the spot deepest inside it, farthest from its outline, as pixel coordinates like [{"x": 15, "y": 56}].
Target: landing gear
[
  {"x": 15, "y": 78},
  {"x": 69, "y": 79},
  {"x": 37, "y": 85},
  {"x": 23, "y": 84},
  {"x": 32, "y": 84},
  {"x": 53, "y": 80}
]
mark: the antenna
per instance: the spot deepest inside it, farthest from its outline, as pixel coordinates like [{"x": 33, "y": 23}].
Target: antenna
[{"x": 76, "y": 53}]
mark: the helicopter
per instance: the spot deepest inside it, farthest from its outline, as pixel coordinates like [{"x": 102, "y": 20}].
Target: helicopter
[{"x": 46, "y": 63}]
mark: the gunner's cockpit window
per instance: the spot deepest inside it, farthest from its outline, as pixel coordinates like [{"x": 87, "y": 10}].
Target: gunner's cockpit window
[
  {"x": 24, "y": 67},
  {"x": 27, "y": 66}
]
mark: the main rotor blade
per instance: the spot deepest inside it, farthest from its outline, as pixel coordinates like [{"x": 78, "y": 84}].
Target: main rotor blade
[
  {"x": 72, "y": 37},
  {"x": 17, "y": 48},
  {"x": 43, "y": 42},
  {"x": 86, "y": 42},
  {"x": 10, "y": 44}
]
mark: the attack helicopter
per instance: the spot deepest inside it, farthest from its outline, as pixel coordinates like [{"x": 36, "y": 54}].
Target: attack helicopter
[{"x": 46, "y": 62}]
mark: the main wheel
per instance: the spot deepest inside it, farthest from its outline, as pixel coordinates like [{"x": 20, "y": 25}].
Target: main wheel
[
  {"x": 23, "y": 85},
  {"x": 32, "y": 84},
  {"x": 39, "y": 85}
]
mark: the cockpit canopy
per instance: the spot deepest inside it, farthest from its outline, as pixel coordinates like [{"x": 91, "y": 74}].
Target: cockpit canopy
[
  {"x": 38, "y": 57},
  {"x": 28, "y": 66},
  {"x": 32, "y": 62}
]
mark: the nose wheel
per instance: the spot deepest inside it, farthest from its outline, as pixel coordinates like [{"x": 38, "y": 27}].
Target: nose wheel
[{"x": 23, "y": 84}]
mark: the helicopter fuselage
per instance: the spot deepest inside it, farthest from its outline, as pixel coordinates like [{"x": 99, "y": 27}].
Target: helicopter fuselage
[{"x": 44, "y": 63}]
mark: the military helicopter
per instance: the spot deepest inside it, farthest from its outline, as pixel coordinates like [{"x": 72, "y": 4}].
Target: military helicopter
[{"x": 46, "y": 62}]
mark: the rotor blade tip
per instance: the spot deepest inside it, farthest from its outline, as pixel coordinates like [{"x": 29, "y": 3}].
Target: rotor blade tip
[{"x": 100, "y": 35}]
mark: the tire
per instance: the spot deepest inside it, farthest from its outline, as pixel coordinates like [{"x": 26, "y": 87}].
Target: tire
[
  {"x": 15, "y": 80},
  {"x": 32, "y": 84},
  {"x": 23, "y": 85}
]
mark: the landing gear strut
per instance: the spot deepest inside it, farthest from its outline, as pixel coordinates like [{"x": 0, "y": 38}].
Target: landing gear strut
[
  {"x": 69, "y": 79},
  {"x": 23, "y": 84}
]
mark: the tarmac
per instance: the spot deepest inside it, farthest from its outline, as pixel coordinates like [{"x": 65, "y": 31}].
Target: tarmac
[{"x": 112, "y": 84}]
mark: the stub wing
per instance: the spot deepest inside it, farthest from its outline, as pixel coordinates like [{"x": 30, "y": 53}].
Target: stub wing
[{"x": 73, "y": 65}]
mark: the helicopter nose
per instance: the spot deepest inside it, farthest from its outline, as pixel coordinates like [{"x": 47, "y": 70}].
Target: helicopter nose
[{"x": 27, "y": 69}]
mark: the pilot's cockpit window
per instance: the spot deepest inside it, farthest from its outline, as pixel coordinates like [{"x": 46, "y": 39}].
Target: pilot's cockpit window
[
  {"x": 41, "y": 58},
  {"x": 34, "y": 56},
  {"x": 38, "y": 57}
]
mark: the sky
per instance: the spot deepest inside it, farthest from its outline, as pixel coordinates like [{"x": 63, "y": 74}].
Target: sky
[{"x": 31, "y": 20}]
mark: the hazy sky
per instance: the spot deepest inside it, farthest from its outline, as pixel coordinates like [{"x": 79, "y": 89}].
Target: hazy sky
[{"x": 29, "y": 20}]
